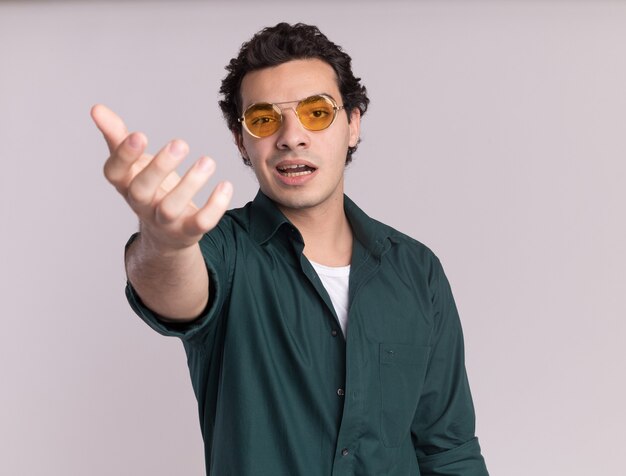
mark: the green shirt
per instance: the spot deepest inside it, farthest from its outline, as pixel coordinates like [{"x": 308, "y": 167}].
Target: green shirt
[{"x": 282, "y": 393}]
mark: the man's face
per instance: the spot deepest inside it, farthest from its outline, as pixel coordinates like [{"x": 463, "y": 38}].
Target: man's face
[{"x": 319, "y": 155}]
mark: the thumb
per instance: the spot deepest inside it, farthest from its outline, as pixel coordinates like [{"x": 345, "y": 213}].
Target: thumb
[{"x": 110, "y": 124}]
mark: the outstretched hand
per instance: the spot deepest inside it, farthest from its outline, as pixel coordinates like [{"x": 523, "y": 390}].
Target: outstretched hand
[{"x": 161, "y": 198}]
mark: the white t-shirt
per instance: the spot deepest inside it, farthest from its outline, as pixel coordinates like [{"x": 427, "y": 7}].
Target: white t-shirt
[{"x": 335, "y": 280}]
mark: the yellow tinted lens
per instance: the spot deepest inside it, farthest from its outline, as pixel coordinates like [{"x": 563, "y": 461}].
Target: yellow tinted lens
[
  {"x": 316, "y": 113},
  {"x": 262, "y": 120}
]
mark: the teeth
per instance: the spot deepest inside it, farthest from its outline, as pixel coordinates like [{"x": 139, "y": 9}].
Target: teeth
[
  {"x": 294, "y": 166},
  {"x": 295, "y": 170},
  {"x": 296, "y": 174}
]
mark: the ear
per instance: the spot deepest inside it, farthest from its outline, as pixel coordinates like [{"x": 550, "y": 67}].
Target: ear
[
  {"x": 355, "y": 126},
  {"x": 238, "y": 137}
]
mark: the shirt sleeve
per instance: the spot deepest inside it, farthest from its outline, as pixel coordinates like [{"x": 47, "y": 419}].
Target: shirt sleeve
[
  {"x": 443, "y": 428},
  {"x": 217, "y": 255}
]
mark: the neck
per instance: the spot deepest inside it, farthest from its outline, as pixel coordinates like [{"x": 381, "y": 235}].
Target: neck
[{"x": 326, "y": 232}]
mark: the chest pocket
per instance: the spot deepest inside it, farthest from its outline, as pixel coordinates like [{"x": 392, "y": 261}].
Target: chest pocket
[{"x": 402, "y": 371}]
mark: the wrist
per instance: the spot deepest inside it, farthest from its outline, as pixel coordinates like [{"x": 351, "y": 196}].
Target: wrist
[
  {"x": 155, "y": 241},
  {"x": 152, "y": 243}
]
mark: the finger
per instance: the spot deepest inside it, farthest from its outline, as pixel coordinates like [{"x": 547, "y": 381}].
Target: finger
[
  {"x": 207, "y": 217},
  {"x": 110, "y": 124},
  {"x": 126, "y": 161},
  {"x": 143, "y": 189},
  {"x": 179, "y": 200}
]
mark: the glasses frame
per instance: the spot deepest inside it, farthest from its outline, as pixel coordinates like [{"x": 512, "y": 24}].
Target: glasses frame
[{"x": 279, "y": 111}]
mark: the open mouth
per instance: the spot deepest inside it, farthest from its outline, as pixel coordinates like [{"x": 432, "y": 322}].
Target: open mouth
[{"x": 295, "y": 170}]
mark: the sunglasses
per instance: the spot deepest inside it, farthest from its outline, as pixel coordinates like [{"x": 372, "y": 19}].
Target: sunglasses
[{"x": 315, "y": 113}]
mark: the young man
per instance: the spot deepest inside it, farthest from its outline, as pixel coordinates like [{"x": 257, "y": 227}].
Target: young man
[{"x": 319, "y": 341}]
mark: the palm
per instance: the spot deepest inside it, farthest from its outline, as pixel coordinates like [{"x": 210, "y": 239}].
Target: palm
[{"x": 166, "y": 186}]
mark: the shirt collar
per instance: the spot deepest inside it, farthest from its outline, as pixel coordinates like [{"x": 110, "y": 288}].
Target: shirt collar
[
  {"x": 266, "y": 219},
  {"x": 372, "y": 234}
]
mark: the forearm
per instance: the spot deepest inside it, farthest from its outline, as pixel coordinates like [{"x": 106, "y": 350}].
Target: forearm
[{"x": 172, "y": 283}]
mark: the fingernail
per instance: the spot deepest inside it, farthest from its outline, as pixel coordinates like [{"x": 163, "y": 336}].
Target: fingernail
[
  {"x": 225, "y": 187},
  {"x": 133, "y": 141},
  {"x": 205, "y": 164},
  {"x": 177, "y": 149}
]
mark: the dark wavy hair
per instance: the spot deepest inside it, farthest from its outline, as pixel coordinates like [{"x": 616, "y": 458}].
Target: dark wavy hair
[{"x": 275, "y": 45}]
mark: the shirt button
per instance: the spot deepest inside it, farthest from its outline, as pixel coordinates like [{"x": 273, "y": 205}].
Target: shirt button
[
  {"x": 341, "y": 392},
  {"x": 333, "y": 333},
  {"x": 345, "y": 452}
]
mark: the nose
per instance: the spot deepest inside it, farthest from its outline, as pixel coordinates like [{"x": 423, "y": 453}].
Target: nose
[{"x": 292, "y": 135}]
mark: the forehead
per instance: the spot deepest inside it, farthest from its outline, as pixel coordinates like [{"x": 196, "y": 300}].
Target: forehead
[{"x": 293, "y": 80}]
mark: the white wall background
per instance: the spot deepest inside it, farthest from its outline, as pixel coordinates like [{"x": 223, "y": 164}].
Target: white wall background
[{"x": 496, "y": 135}]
